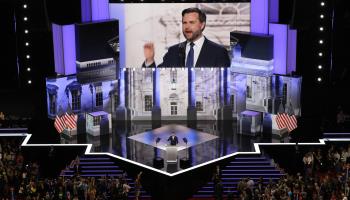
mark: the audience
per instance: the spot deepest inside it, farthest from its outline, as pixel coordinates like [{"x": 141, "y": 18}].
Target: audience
[
  {"x": 20, "y": 179},
  {"x": 325, "y": 177}
]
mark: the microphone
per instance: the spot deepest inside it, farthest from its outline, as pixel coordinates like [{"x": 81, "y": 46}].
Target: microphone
[
  {"x": 157, "y": 140},
  {"x": 185, "y": 140}
]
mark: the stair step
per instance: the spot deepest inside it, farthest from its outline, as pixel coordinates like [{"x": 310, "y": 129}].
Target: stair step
[
  {"x": 101, "y": 170},
  {"x": 95, "y": 163},
  {"x": 249, "y": 175},
  {"x": 103, "y": 166},
  {"x": 236, "y": 182},
  {"x": 250, "y": 162},
  {"x": 251, "y": 158},
  {"x": 254, "y": 178},
  {"x": 248, "y": 171},
  {"x": 94, "y": 158},
  {"x": 249, "y": 166},
  {"x": 102, "y": 174}
]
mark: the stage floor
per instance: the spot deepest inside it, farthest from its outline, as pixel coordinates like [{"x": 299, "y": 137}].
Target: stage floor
[{"x": 207, "y": 140}]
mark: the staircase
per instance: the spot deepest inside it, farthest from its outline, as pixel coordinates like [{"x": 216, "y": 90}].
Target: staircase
[
  {"x": 243, "y": 166},
  {"x": 102, "y": 166}
]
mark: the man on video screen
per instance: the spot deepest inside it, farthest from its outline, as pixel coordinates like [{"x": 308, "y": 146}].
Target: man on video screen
[{"x": 196, "y": 51}]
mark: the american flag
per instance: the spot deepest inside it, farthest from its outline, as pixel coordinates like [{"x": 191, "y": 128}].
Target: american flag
[
  {"x": 70, "y": 120},
  {"x": 284, "y": 120},
  {"x": 59, "y": 124}
]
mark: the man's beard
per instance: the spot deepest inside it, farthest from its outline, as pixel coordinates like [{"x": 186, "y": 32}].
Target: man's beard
[{"x": 195, "y": 36}]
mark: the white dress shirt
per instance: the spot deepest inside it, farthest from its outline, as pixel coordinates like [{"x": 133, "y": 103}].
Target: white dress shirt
[{"x": 196, "y": 49}]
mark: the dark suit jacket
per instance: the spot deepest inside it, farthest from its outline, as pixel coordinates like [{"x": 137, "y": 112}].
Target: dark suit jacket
[
  {"x": 211, "y": 55},
  {"x": 173, "y": 141}
]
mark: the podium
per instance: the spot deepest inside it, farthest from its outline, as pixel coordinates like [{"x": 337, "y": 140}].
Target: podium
[{"x": 171, "y": 154}]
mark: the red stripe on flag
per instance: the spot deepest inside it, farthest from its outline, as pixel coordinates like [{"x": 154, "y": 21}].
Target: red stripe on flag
[
  {"x": 279, "y": 122},
  {"x": 59, "y": 124},
  {"x": 70, "y": 120},
  {"x": 283, "y": 120}
]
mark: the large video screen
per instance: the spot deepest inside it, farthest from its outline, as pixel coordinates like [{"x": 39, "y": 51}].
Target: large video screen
[{"x": 161, "y": 25}]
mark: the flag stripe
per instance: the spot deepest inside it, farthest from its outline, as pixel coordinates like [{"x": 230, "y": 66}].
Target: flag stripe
[
  {"x": 283, "y": 120},
  {"x": 59, "y": 124},
  {"x": 70, "y": 120}
]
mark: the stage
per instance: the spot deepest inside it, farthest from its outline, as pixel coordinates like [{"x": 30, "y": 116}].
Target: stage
[{"x": 208, "y": 141}]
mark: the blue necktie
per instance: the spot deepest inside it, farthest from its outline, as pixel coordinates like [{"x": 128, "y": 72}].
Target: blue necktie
[{"x": 190, "y": 57}]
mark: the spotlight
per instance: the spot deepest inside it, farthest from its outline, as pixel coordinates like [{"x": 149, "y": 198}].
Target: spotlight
[
  {"x": 29, "y": 82},
  {"x": 25, "y": 18},
  {"x": 321, "y": 28},
  {"x": 322, "y": 3},
  {"x": 320, "y": 54},
  {"x": 26, "y": 31},
  {"x": 28, "y": 69},
  {"x": 27, "y": 43},
  {"x": 319, "y": 66},
  {"x": 321, "y": 16},
  {"x": 320, "y": 41},
  {"x": 319, "y": 79},
  {"x": 24, "y": 5},
  {"x": 28, "y": 56}
]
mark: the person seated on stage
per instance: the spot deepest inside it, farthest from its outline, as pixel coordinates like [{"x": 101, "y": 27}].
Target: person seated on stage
[{"x": 173, "y": 139}]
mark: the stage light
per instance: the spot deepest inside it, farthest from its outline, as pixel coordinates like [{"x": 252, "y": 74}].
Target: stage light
[
  {"x": 319, "y": 66},
  {"x": 29, "y": 82},
  {"x": 28, "y": 69},
  {"x": 26, "y": 31},
  {"x": 28, "y": 56},
  {"x": 321, "y": 16},
  {"x": 319, "y": 79},
  {"x": 25, "y": 18},
  {"x": 322, "y": 3},
  {"x": 27, "y": 43},
  {"x": 320, "y": 41},
  {"x": 320, "y": 54},
  {"x": 24, "y": 6},
  {"x": 321, "y": 28}
]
